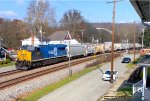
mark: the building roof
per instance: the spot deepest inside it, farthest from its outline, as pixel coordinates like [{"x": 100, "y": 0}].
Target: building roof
[
  {"x": 44, "y": 38},
  {"x": 1, "y": 39},
  {"x": 145, "y": 61},
  {"x": 142, "y": 7},
  {"x": 60, "y": 36}
]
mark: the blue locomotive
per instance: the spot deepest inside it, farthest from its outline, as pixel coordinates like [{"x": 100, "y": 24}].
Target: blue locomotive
[{"x": 34, "y": 56}]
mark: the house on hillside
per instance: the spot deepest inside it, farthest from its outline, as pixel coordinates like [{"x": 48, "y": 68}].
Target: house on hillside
[
  {"x": 38, "y": 40},
  {"x": 61, "y": 37},
  {"x": 2, "y": 54}
]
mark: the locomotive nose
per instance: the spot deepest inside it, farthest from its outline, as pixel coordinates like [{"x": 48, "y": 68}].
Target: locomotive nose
[{"x": 24, "y": 55}]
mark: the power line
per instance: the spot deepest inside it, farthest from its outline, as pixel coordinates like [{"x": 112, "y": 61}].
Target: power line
[
  {"x": 67, "y": 5},
  {"x": 113, "y": 1}
]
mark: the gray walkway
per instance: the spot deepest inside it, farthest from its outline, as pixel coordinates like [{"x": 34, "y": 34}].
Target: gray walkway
[
  {"x": 147, "y": 94},
  {"x": 9, "y": 68},
  {"x": 88, "y": 87}
]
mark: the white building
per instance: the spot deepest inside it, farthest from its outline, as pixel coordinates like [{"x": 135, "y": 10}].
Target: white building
[
  {"x": 61, "y": 37},
  {"x": 37, "y": 41}
]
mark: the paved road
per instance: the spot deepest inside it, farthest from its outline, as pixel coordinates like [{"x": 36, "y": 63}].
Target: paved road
[
  {"x": 88, "y": 87},
  {"x": 9, "y": 68}
]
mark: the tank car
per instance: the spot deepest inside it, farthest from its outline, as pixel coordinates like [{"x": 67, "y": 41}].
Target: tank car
[{"x": 34, "y": 56}]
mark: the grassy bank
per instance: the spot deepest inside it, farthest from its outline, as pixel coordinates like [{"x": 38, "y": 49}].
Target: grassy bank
[
  {"x": 47, "y": 89},
  {"x": 137, "y": 60},
  {"x": 134, "y": 63},
  {"x": 9, "y": 64},
  {"x": 125, "y": 90}
]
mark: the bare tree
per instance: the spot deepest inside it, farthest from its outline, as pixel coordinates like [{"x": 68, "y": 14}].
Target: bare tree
[
  {"x": 73, "y": 21},
  {"x": 40, "y": 14}
]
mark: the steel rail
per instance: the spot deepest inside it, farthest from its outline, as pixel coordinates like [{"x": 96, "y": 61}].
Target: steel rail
[
  {"x": 27, "y": 77},
  {"x": 10, "y": 72},
  {"x": 17, "y": 80}
]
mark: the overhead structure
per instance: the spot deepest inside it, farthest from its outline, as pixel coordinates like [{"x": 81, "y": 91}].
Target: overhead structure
[{"x": 142, "y": 7}]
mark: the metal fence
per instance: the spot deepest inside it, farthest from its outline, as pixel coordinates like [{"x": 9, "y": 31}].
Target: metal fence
[
  {"x": 124, "y": 98},
  {"x": 138, "y": 87}
]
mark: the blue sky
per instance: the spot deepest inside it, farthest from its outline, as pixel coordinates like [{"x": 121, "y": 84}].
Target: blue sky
[{"x": 92, "y": 10}]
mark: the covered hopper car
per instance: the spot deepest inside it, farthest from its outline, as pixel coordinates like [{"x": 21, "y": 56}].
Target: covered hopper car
[
  {"x": 90, "y": 49},
  {"x": 99, "y": 48},
  {"x": 76, "y": 50}
]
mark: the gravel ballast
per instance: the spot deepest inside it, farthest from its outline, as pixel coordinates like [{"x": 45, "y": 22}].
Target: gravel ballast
[{"x": 12, "y": 93}]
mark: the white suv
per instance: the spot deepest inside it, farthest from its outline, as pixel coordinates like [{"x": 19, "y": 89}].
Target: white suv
[{"x": 107, "y": 75}]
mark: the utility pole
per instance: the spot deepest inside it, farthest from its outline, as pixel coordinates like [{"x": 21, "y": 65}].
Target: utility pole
[
  {"x": 82, "y": 35},
  {"x": 100, "y": 40},
  {"x": 112, "y": 49},
  {"x": 92, "y": 39},
  {"x": 134, "y": 40},
  {"x": 32, "y": 39},
  {"x": 113, "y": 31},
  {"x": 70, "y": 71},
  {"x": 119, "y": 40},
  {"x": 143, "y": 38},
  {"x": 32, "y": 34},
  {"x": 112, "y": 38},
  {"x": 40, "y": 30}
]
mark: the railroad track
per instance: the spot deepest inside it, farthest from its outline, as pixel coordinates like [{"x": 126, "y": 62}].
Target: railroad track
[
  {"x": 21, "y": 79},
  {"x": 18, "y": 80},
  {"x": 10, "y": 72}
]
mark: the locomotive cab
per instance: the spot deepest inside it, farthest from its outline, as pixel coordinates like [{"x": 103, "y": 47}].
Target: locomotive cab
[{"x": 26, "y": 55}]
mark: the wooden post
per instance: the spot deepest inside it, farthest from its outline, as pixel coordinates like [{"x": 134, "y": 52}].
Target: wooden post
[
  {"x": 134, "y": 40},
  {"x": 112, "y": 49}
]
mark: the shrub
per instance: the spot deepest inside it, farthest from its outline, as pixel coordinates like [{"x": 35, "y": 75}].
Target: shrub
[
  {"x": 137, "y": 60},
  {"x": 8, "y": 60},
  {"x": 4, "y": 62},
  {"x": 1, "y": 62}
]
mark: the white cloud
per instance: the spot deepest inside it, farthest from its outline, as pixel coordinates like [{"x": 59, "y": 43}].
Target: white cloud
[
  {"x": 20, "y": 2},
  {"x": 122, "y": 22},
  {"x": 8, "y": 13}
]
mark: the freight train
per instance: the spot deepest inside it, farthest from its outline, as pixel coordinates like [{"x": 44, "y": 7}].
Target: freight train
[{"x": 35, "y": 56}]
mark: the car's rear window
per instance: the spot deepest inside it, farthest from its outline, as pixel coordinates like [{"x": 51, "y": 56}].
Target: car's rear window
[
  {"x": 126, "y": 58},
  {"x": 109, "y": 72}
]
